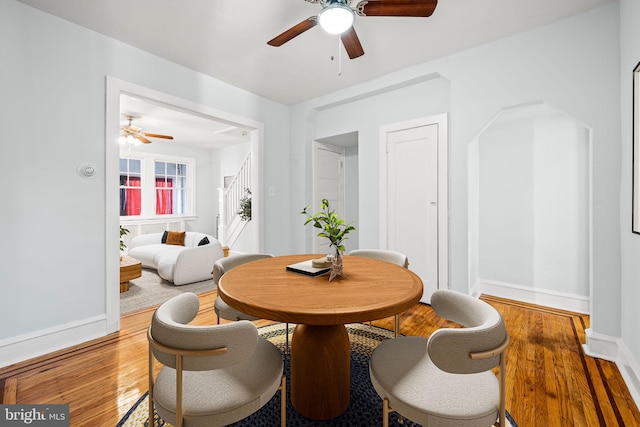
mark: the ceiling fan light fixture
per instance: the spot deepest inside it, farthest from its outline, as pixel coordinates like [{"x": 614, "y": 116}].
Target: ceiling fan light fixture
[
  {"x": 128, "y": 139},
  {"x": 336, "y": 18}
]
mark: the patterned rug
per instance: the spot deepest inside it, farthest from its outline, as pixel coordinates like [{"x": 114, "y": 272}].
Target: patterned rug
[
  {"x": 151, "y": 289},
  {"x": 365, "y": 407}
]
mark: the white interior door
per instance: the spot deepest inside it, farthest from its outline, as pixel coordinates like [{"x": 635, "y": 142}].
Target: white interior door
[
  {"x": 412, "y": 198},
  {"x": 328, "y": 183}
]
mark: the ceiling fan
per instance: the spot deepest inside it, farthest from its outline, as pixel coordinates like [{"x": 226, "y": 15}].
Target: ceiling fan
[
  {"x": 131, "y": 133},
  {"x": 337, "y": 17}
]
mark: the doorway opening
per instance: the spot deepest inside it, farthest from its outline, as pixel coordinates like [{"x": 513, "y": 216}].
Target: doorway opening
[
  {"x": 335, "y": 178},
  {"x": 114, "y": 90},
  {"x": 414, "y": 197}
]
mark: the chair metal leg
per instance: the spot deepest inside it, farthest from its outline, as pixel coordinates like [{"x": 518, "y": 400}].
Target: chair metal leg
[
  {"x": 283, "y": 402},
  {"x": 151, "y": 422},
  {"x": 179, "y": 420},
  {"x": 396, "y": 325},
  {"x": 385, "y": 412},
  {"x": 286, "y": 345},
  {"x": 503, "y": 387}
]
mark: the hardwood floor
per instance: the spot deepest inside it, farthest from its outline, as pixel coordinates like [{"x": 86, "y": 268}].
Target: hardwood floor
[{"x": 550, "y": 381}]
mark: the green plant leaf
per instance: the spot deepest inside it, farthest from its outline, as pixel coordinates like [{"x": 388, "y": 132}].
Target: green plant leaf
[{"x": 332, "y": 226}]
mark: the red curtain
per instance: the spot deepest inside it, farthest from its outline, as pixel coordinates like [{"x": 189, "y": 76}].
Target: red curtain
[
  {"x": 133, "y": 197},
  {"x": 164, "y": 198}
]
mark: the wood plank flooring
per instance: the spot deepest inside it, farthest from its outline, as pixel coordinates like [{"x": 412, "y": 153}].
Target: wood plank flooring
[{"x": 550, "y": 381}]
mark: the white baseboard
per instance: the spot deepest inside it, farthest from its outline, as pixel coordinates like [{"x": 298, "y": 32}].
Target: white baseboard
[
  {"x": 38, "y": 343},
  {"x": 630, "y": 371},
  {"x": 601, "y": 346},
  {"x": 614, "y": 350},
  {"x": 546, "y": 297}
]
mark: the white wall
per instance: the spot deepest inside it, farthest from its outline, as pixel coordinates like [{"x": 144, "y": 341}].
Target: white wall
[
  {"x": 228, "y": 160},
  {"x": 506, "y": 203},
  {"x": 352, "y": 193},
  {"x": 52, "y": 119},
  {"x": 426, "y": 97},
  {"x": 630, "y": 243},
  {"x": 561, "y": 198},
  {"x": 556, "y": 64},
  {"x": 533, "y": 207}
]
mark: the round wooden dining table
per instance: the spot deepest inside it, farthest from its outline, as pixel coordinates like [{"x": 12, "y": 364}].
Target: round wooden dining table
[{"x": 320, "y": 351}]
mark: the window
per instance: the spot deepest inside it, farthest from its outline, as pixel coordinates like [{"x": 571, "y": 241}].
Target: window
[
  {"x": 130, "y": 187},
  {"x": 153, "y": 186},
  {"x": 171, "y": 188}
]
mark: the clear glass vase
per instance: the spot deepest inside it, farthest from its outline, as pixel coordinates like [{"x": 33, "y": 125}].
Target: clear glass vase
[{"x": 336, "y": 266}]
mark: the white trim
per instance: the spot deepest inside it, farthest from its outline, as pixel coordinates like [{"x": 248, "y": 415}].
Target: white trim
[
  {"x": 546, "y": 297},
  {"x": 441, "y": 120},
  {"x": 114, "y": 88},
  {"x": 37, "y": 343},
  {"x": 630, "y": 370},
  {"x": 601, "y": 346},
  {"x": 614, "y": 350}
]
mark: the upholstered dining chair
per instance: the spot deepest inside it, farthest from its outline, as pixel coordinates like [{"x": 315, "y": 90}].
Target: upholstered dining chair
[
  {"x": 446, "y": 379},
  {"x": 389, "y": 256},
  {"x": 221, "y": 266},
  {"x": 224, "y": 310},
  {"x": 211, "y": 375}
]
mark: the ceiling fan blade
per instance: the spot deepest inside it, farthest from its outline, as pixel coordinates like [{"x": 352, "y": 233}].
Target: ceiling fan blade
[
  {"x": 143, "y": 139},
  {"x": 418, "y": 8},
  {"x": 351, "y": 43},
  {"x": 155, "y": 135},
  {"x": 294, "y": 31}
]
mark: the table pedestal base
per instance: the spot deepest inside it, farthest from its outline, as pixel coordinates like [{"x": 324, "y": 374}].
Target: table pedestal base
[{"x": 320, "y": 371}]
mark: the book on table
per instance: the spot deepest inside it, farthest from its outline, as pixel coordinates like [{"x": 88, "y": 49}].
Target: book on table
[{"x": 306, "y": 268}]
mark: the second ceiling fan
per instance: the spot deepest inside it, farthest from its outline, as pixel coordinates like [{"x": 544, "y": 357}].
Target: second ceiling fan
[
  {"x": 340, "y": 13},
  {"x": 134, "y": 132}
]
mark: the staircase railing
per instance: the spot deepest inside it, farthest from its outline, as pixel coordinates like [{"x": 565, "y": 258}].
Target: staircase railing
[{"x": 230, "y": 225}]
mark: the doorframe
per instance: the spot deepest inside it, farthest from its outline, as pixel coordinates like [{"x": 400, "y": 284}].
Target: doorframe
[
  {"x": 441, "y": 120},
  {"x": 317, "y": 145},
  {"x": 114, "y": 88}
]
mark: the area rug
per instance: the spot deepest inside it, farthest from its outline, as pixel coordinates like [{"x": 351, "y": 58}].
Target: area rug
[
  {"x": 151, "y": 290},
  {"x": 365, "y": 407}
]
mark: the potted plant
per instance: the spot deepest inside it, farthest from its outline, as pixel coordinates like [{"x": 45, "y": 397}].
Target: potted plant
[
  {"x": 245, "y": 206},
  {"x": 333, "y": 228},
  {"x": 123, "y": 232}
]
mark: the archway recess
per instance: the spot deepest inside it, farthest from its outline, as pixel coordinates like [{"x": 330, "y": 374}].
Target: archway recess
[{"x": 529, "y": 208}]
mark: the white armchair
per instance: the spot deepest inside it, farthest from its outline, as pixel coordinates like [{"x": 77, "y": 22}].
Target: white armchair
[
  {"x": 446, "y": 380},
  {"x": 212, "y": 375},
  {"x": 388, "y": 256}
]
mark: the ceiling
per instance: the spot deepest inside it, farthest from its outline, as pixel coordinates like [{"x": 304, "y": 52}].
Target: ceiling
[
  {"x": 228, "y": 39},
  {"x": 187, "y": 128}
]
